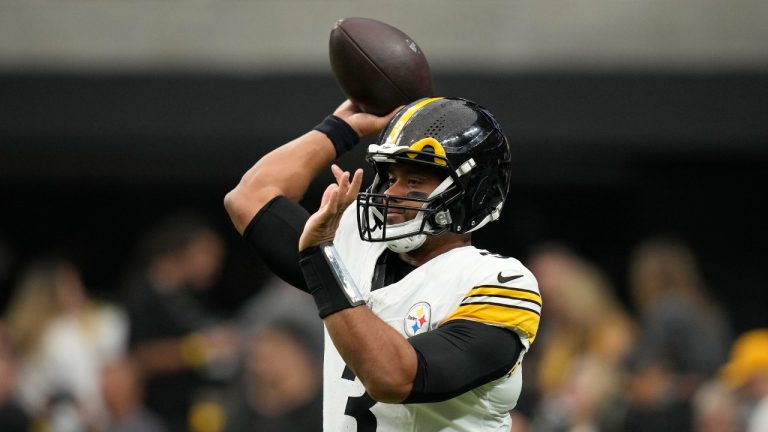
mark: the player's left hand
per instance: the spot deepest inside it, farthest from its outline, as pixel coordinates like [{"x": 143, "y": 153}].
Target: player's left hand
[{"x": 321, "y": 226}]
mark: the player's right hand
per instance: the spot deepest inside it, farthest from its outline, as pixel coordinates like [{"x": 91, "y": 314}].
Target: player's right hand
[{"x": 363, "y": 123}]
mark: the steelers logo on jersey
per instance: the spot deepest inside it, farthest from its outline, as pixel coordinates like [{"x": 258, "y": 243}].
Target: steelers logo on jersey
[{"x": 417, "y": 320}]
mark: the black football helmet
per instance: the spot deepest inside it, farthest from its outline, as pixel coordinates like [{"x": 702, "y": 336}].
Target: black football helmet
[{"x": 456, "y": 137}]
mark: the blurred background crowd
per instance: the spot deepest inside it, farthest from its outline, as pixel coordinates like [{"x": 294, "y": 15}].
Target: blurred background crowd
[
  {"x": 157, "y": 355},
  {"x": 639, "y": 132}
]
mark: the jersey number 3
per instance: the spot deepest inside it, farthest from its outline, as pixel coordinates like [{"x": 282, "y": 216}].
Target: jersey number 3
[{"x": 359, "y": 407}]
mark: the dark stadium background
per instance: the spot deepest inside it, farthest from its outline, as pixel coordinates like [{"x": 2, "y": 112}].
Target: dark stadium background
[{"x": 602, "y": 160}]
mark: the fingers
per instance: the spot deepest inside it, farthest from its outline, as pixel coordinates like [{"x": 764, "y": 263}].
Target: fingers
[
  {"x": 322, "y": 225},
  {"x": 342, "y": 179},
  {"x": 365, "y": 124},
  {"x": 327, "y": 194},
  {"x": 389, "y": 116},
  {"x": 333, "y": 204},
  {"x": 337, "y": 172},
  {"x": 329, "y": 205},
  {"x": 383, "y": 121},
  {"x": 346, "y": 108},
  {"x": 348, "y": 189},
  {"x": 357, "y": 181}
]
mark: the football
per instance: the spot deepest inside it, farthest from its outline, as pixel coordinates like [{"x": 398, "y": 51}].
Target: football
[{"x": 377, "y": 66}]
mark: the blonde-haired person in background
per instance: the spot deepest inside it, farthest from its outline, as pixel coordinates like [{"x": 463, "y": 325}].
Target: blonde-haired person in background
[
  {"x": 63, "y": 338},
  {"x": 584, "y": 339}
]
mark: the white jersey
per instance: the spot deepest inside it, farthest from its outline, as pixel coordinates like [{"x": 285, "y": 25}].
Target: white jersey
[{"x": 464, "y": 283}]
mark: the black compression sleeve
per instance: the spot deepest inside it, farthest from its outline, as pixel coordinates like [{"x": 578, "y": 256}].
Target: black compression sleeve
[
  {"x": 460, "y": 356},
  {"x": 275, "y": 233}
]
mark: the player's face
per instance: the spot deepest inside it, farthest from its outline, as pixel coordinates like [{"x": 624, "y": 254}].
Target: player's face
[{"x": 411, "y": 181}]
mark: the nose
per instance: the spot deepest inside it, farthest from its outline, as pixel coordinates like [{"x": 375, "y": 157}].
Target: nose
[{"x": 394, "y": 190}]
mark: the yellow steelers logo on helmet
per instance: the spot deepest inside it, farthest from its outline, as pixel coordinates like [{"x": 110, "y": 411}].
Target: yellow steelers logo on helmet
[{"x": 428, "y": 145}]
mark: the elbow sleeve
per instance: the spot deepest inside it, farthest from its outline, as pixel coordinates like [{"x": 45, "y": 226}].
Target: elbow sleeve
[{"x": 274, "y": 232}]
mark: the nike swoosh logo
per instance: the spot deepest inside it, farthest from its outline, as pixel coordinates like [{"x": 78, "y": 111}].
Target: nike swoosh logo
[{"x": 505, "y": 279}]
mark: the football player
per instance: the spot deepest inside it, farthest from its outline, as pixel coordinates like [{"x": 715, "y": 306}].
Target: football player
[{"x": 424, "y": 332}]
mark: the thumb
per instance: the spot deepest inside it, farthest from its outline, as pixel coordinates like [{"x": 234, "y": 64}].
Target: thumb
[
  {"x": 328, "y": 194},
  {"x": 387, "y": 118}
]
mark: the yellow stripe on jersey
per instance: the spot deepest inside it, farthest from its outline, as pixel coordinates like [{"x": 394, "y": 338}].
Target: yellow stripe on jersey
[
  {"x": 507, "y": 292},
  {"x": 524, "y": 320},
  {"x": 513, "y": 308}
]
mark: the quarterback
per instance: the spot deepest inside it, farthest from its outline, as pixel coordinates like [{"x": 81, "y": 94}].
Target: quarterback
[{"x": 424, "y": 332}]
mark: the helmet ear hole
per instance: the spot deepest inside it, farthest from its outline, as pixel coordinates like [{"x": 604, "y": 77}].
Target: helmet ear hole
[{"x": 442, "y": 219}]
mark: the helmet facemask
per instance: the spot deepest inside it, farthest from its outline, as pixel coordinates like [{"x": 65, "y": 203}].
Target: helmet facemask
[{"x": 432, "y": 211}]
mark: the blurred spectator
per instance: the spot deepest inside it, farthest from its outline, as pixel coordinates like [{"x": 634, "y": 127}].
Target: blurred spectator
[
  {"x": 584, "y": 336},
  {"x": 63, "y": 338},
  {"x": 716, "y": 409},
  {"x": 122, "y": 388},
  {"x": 6, "y": 266},
  {"x": 177, "y": 341},
  {"x": 653, "y": 399},
  {"x": 683, "y": 326},
  {"x": 281, "y": 387},
  {"x": 747, "y": 373},
  {"x": 277, "y": 300},
  {"x": 12, "y": 417},
  {"x": 685, "y": 336},
  {"x": 281, "y": 384},
  {"x": 520, "y": 422}
]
